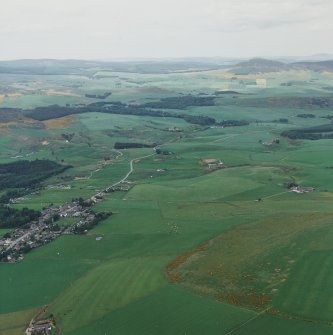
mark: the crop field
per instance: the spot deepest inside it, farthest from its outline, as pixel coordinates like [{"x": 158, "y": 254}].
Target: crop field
[{"x": 192, "y": 247}]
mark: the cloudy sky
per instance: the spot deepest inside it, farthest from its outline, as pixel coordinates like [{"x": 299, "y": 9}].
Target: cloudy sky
[{"x": 106, "y": 29}]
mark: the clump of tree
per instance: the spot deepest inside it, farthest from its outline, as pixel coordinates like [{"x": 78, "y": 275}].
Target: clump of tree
[
  {"x": 328, "y": 117},
  {"x": 25, "y": 174},
  {"x": 310, "y": 133},
  {"x": 82, "y": 202},
  {"x": 52, "y": 112},
  {"x": 14, "y": 218},
  {"x": 159, "y": 151},
  {"x": 291, "y": 185},
  {"x": 98, "y": 96},
  {"x": 181, "y": 102},
  {"x": 68, "y": 136},
  {"x": 306, "y": 116},
  {"x": 233, "y": 123},
  {"x": 198, "y": 119},
  {"x": 227, "y": 93},
  {"x": 120, "y": 145},
  {"x": 281, "y": 120},
  {"x": 13, "y": 194}
]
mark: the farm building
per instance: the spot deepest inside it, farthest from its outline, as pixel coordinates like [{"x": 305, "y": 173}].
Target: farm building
[{"x": 211, "y": 163}]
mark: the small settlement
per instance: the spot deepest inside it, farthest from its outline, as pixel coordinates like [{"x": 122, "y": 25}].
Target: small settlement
[
  {"x": 41, "y": 327},
  {"x": 15, "y": 244}
]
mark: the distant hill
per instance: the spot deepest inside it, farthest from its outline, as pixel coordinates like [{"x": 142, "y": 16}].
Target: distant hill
[
  {"x": 91, "y": 67},
  {"x": 259, "y": 65},
  {"x": 56, "y": 66},
  {"x": 316, "y": 66},
  {"x": 46, "y": 66}
]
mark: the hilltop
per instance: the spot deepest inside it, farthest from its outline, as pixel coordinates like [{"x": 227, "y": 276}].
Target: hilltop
[{"x": 261, "y": 65}]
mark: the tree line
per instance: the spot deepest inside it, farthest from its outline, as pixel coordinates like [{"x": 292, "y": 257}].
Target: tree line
[
  {"x": 324, "y": 131},
  {"x": 23, "y": 173},
  {"x": 132, "y": 145},
  {"x": 14, "y": 218}
]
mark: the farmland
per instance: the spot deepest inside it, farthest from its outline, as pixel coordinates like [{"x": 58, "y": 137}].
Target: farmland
[{"x": 191, "y": 248}]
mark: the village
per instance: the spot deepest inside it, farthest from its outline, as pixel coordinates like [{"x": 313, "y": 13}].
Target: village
[{"x": 14, "y": 245}]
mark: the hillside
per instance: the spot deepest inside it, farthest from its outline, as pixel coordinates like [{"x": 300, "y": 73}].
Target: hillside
[
  {"x": 316, "y": 66},
  {"x": 73, "y": 66},
  {"x": 259, "y": 65}
]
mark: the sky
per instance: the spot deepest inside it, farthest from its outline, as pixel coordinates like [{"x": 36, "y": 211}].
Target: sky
[{"x": 111, "y": 29}]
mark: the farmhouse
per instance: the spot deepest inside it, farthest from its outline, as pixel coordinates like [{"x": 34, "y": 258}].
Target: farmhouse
[
  {"x": 300, "y": 189},
  {"x": 211, "y": 163},
  {"x": 261, "y": 82},
  {"x": 43, "y": 327}
]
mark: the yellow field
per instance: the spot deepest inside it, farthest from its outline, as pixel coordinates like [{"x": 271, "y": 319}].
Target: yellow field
[
  {"x": 59, "y": 123},
  {"x": 9, "y": 95},
  {"x": 60, "y": 93}
]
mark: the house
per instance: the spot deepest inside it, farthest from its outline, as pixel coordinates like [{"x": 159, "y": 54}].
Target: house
[
  {"x": 211, "y": 163},
  {"x": 300, "y": 189}
]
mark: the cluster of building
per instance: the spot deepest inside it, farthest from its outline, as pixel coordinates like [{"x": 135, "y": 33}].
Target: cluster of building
[
  {"x": 123, "y": 187},
  {"x": 211, "y": 163},
  {"x": 20, "y": 241},
  {"x": 41, "y": 327},
  {"x": 59, "y": 187},
  {"x": 14, "y": 245},
  {"x": 300, "y": 189}
]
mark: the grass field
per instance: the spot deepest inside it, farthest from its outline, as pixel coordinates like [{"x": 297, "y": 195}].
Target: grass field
[
  {"x": 181, "y": 312},
  {"x": 188, "y": 249},
  {"x": 307, "y": 293},
  {"x": 4, "y": 231}
]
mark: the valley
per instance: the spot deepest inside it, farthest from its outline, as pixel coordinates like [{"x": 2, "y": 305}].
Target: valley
[{"x": 220, "y": 186}]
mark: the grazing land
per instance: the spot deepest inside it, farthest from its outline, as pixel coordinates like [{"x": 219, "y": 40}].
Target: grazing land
[{"x": 220, "y": 184}]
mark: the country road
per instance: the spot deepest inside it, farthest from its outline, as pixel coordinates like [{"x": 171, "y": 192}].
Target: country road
[
  {"x": 131, "y": 165},
  {"x": 131, "y": 168},
  {"x": 128, "y": 173}
]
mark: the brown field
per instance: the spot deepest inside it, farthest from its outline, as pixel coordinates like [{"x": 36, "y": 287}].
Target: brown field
[
  {"x": 245, "y": 265},
  {"x": 175, "y": 276},
  {"x": 59, "y": 123}
]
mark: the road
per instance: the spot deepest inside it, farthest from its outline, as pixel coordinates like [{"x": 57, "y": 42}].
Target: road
[
  {"x": 131, "y": 165},
  {"x": 131, "y": 169},
  {"x": 128, "y": 173}
]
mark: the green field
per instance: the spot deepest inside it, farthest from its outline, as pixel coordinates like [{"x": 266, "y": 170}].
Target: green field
[{"x": 189, "y": 249}]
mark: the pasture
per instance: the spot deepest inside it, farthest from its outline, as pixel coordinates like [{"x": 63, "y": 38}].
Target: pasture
[{"x": 189, "y": 249}]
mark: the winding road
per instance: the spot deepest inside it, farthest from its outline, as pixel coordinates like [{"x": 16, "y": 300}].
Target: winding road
[
  {"x": 131, "y": 168},
  {"x": 128, "y": 173},
  {"x": 131, "y": 165}
]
